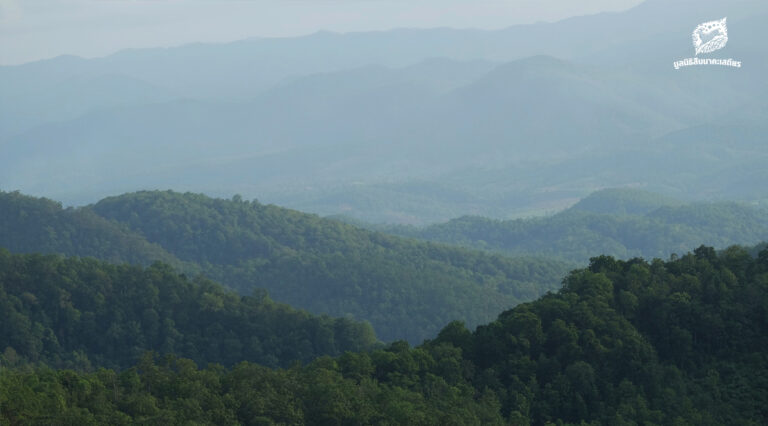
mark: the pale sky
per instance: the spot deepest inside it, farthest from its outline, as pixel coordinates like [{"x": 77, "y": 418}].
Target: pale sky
[{"x": 38, "y": 29}]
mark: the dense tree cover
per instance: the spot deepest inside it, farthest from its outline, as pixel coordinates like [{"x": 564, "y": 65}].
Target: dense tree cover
[
  {"x": 39, "y": 225},
  {"x": 579, "y": 232},
  {"x": 83, "y": 312},
  {"x": 405, "y": 288},
  {"x": 388, "y": 387},
  {"x": 682, "y": 342},
  {"x": 678, "y": 342}
]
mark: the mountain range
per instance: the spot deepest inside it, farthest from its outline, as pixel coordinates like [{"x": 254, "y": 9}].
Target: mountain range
[{"x": 502, "y": 123}]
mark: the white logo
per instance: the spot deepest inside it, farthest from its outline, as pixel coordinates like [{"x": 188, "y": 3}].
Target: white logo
[
  {"x": 707, "y": 38},
  {"x": 715, "y": 43}
]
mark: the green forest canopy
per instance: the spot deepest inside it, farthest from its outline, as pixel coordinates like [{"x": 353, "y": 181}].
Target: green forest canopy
[
  {"x": 78, "y": 313},
  {"x": 624, "y": 342}
]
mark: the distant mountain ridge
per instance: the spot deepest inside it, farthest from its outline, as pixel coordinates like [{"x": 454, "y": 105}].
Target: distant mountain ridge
[
  {"x": 618, "y": 222},
  {"x": 624, "y": 201},
  {"x": 504, "y": 123}
]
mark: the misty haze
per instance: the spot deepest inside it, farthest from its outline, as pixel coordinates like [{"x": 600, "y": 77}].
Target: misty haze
[{"x": 381, "y": 212}]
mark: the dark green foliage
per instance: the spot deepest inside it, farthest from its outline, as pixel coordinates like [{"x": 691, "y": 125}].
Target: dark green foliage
[
  {"x": 175, "y": 392},
  {"x": 405, "y": 289},
  {"x": 39, "y": 225},
  {"x": 83, "y": 312},
  {"x": 681, "y": 342},
  {"x": 630, "y": 341},
  {"x": 754, "y": 251},
  {"x": 627, "y": 231}
]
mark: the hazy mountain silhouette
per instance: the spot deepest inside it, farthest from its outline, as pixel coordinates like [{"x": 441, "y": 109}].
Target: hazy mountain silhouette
[{"x": 504, "y": 122}]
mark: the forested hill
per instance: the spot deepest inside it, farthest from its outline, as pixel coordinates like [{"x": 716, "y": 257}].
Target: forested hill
[
  {"x": 682, "y": 342},
  {"x": 84, "y": 313},
  {"x": 405, "y": 288},
  {"x": 619, "y": 223},
  {"x": 40, "y": 225}
]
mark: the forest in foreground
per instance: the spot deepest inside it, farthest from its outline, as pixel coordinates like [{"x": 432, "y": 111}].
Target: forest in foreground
[{"x": 623, "y": 342}]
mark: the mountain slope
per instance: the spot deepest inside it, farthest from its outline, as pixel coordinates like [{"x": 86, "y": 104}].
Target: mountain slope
[
  {"x": 39, "y": 225},
  {"x": 85, "y": 313},
  {"x": 623, "y": 201},
  {"x": 406, "y": 289},
  {"x": 600, "y": 224},
  {"x": 635, "y": 341}
]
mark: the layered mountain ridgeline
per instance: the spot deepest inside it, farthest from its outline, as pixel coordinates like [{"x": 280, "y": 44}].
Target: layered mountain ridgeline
[
  {"x": 369, "y": 120},
  {"x": 624, "y": 342},
  {"x": 621, "y": 223},
  {"x": 82, "y": 313},
  {"x": 406, "y": 289}
]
